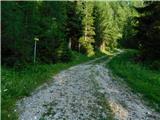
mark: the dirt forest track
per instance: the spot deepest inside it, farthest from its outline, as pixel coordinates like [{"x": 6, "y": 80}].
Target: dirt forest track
[{"x": 85, "y": 92}]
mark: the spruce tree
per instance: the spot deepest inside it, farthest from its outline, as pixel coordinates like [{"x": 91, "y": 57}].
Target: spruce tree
[
  {"x": 87, "y": 39},
  {"x": 148, "y": 30},
  {"x": 106, "y": 28},
  {"x": 73, "y": 25},
  {"x": 23, "y": 21}
]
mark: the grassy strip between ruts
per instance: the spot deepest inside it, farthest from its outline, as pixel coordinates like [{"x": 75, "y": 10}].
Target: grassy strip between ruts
[
  {"x": 139, "y": 77},
  {"x": 17, "y": 84}
]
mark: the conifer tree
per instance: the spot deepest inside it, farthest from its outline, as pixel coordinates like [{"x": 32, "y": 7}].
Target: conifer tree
[
  {"x": 87, "y": 39},
  {"x": 148, "y": 30},
  {"x": 73, "y": 25},
  {"x": 106, "y": 28},
  {"x": 128, "y": 31},
  {"x": 23, "y": 21}
]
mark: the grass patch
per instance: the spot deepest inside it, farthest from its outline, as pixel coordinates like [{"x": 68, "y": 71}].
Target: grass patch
[
  {"x": 19, "y": 83},
  {"x": 139, "y": 77}
]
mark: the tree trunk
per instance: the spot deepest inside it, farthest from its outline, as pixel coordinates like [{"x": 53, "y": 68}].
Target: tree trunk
[{"x": 70, "y": 43}]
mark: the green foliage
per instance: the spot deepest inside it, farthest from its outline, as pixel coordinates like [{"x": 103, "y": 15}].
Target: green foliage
[
  {"x": 110, "y": 21},
  {"x": 128, "y": 31},
  {"x": 155, "y": 65},
  {"x": 73, "y": 25},
  {"x": 139, "y": 77},
  {"x": 123, "y": 18},
  {"x": 148, "y": 31},
  {"x": 128, "y": 35},
  {"x": 14, "y": 33},
  {"x": 88, "y": 28},
  {"x": 60, "y": 26},
  {"x": 26, "y": 20},
  {"x": 63, "y": 53}
]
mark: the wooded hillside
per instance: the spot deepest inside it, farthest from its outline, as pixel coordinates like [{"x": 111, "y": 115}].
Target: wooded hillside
[{"x": 60, "y": 28}]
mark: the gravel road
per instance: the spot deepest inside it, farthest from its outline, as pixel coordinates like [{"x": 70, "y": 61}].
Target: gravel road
[{"x": 84, "y": 92}]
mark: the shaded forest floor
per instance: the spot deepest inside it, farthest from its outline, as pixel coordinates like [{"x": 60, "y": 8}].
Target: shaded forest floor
[{"x": 86, "y": 91}]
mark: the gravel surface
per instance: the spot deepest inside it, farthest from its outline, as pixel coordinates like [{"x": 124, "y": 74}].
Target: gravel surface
[{"x": 84, "y": 92}]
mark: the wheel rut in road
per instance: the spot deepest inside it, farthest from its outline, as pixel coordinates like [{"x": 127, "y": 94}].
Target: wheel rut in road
[{"x": 84, "y": 92}]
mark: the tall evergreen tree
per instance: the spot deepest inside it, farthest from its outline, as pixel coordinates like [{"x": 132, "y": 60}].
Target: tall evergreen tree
[
  {"x": 87, "y": 39},
  {"x": 18, "y": 29},
  {"x": 53, "y": 42},
  {"x": 23, "y": 21},
  {"x": 73, "y": 25},
  {"x": 128, "y": 31},
  {"x": 107, "y": 30},
  {"x": 148, "y": 30}
]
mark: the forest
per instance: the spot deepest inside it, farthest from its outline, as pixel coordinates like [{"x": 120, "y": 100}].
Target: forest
[{"x": 41, "y": 38}]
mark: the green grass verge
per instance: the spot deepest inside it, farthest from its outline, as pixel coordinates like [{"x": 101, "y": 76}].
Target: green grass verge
[
  {"x": 139, "y": 77},
  {"x": 17, "y": 84}
]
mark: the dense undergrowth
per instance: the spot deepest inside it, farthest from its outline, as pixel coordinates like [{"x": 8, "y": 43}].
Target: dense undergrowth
[
  {"x": 138, "y": 76},
  {"x": 19, "y": 83}
]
